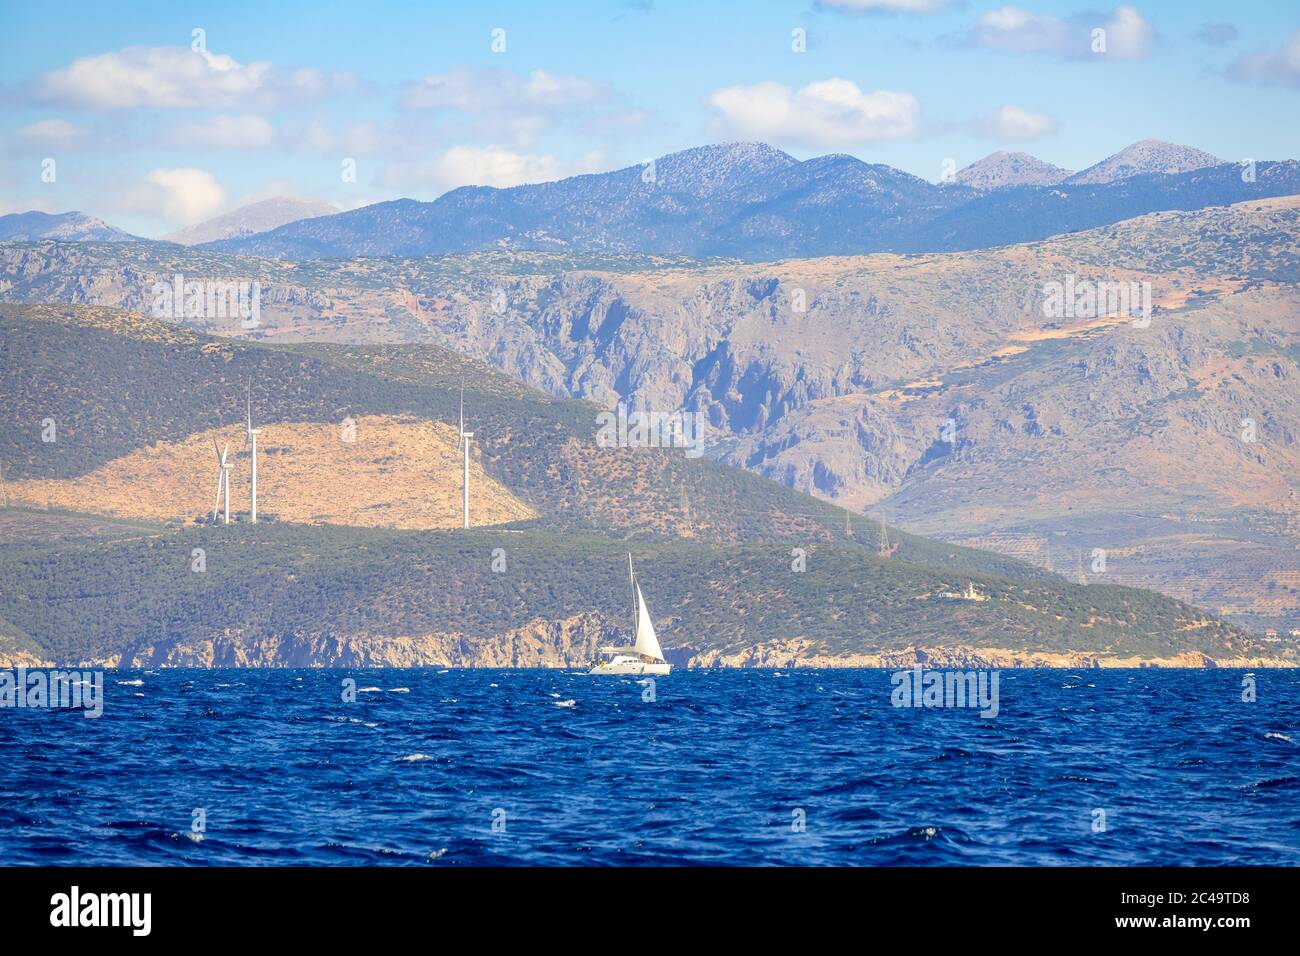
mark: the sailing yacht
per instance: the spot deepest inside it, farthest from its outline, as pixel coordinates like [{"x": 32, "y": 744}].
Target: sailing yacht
[{"x": 645, "y": 656}]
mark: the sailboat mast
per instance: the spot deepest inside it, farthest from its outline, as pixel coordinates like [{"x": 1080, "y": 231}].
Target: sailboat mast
[{"x": 631, "y": 576}]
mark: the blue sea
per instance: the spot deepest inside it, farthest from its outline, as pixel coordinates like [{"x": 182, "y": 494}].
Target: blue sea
[{"x": 454, "y": 768}]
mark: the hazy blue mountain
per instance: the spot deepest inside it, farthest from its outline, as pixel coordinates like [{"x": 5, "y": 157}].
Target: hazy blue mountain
[
  {"x": 64, "y": 227},
  {"x": 1002, "y": 169},
  {"x": 252, "y": 219},
  {"x": 1028, "y": 213},
  {"x": 1146, "y": 156},
  {"x": 754, "y": 202}
]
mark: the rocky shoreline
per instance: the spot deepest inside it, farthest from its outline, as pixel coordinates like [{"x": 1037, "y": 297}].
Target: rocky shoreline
[{"x": 574, "y": 642}]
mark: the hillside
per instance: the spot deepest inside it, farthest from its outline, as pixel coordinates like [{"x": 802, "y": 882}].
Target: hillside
[
  {"x": 288, "y": 595},
  {"x": 126, "y": 392},
  {"x": 336, "y": 579},
  {"x": 888, "y": 349}
]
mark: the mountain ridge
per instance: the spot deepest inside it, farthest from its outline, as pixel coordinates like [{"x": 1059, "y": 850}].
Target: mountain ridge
[
  {"x": 62, "y": 227},
  {"x": 753, "y": 202}
]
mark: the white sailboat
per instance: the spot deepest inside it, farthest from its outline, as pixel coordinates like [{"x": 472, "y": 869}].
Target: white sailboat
[{"x": 645, "y": 656}]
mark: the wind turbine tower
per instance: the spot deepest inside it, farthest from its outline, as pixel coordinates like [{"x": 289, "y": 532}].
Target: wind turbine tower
[
  {"x": 223, "y": 481},
  {"x": 252, "y": 434},
  {"x": 462, "y": 444}
]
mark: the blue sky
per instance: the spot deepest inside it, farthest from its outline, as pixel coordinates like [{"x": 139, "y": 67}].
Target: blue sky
[{"x": 151, "y": 135}]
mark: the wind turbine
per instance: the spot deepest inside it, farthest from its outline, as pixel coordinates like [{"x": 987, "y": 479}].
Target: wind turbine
[
  {"x": 251, "y": 437},
  {"x": 223, "y": 481},
  {"x": 462, "y": 442}
]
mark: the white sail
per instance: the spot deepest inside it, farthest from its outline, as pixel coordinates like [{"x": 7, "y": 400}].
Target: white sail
[{"x": 646, "y": 642}]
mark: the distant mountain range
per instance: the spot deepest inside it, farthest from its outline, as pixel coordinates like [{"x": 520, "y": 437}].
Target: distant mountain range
[
  {"x": 747, "y": 201},
  {"x": 251, "y": 219},
  {"x": 64, "y": 227},
  {"x": 754, "y": 202}
]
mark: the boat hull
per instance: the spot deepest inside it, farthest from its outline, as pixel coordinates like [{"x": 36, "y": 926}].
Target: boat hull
[{"x": 632, "y": 668}]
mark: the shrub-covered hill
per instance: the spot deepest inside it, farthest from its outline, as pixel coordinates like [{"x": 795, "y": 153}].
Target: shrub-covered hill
[
  {"x": 295, "y": 594},
  {"x": 115, "y": 381}
]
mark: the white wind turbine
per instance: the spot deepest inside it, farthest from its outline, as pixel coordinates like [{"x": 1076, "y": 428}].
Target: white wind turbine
[
  {"x": 462, "y": 444},
  {"x": 251, "y": 436},
  {"x": 223, "y": 481}
]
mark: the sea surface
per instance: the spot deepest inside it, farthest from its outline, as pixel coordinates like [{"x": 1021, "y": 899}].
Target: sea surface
[{"x": 454, "y": 768}]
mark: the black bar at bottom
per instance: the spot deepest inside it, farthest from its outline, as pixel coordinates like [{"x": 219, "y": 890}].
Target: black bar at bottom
[{"x": 332, "y": 905}]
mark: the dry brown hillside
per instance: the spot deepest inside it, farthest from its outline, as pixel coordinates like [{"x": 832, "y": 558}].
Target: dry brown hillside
[{"x": 396, "y": 473}]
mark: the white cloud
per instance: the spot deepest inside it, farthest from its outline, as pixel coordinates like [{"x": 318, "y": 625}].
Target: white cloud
[
  {"x": 483, "y": 166},
  {"x": 1279, "y": 67},
  {"x": 827, "y": 113},
  {"x": 498, "y": 104},
  {"x": 487, "y": 91},
  {"x": 348, "y": 139},
  {"x": 51, "y": 132},
  {"x": 224, "y": 132},
  {"x": 179, "y": 196},
  {"x": 1015, "y": 123},
  {"x": 1019, "y": 31},
  {"x": 884, "y": 6},
  {"x": 1013, "y": 30},
  {"x": 181, "y": 78},
  {"x": 1128, "y": 36}
]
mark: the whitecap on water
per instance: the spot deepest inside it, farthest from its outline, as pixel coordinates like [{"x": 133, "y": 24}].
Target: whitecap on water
[
  {"x": 411, "y": 758},
  {"x": 444, "y": 671},
  {"x": 1273, "y": 735},
  {"x": 399, "y": 690},
  {"x": 370, "y": 690},
  {"x": 565, "y": 703},
  {"x": 131, "y": 683}
]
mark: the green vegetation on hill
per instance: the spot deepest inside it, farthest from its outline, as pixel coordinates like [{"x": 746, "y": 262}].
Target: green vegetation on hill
[{"x": 95, "y": 598}]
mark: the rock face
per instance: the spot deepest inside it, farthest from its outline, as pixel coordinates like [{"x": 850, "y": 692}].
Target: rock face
[
  {"x": 572, "y": 642},
  {"x": 1146, "y": 156},
  {"x": 251, "y": 219},
  {"x": 1001, "y": 169}
]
